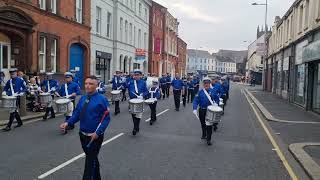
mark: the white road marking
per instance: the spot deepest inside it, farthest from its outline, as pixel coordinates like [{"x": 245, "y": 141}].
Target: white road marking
[
  {"x": 158, "y": 114},
  {"x": 42, "y": 176}
]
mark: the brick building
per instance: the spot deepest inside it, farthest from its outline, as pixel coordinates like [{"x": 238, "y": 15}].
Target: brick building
[
  {"x": 45, "y": 35},
  {"x": 156, "y": 37},
  {"x": 182, "y": 56}
]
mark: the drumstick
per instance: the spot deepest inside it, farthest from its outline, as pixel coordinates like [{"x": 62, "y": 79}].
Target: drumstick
[{"x": 104, "y": 115}]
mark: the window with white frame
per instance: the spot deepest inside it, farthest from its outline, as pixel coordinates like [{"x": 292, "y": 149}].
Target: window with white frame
[
  {"x": 130, "y": 34},
  {"x": 109, "y": 25},
  {"x": 126, "y": 31},
  {"x": 140, "y": 6},
  {"x": 42, "y": 54},
  {"x": 145, "y": 41},
  {"x": 42, "y": 4},
  {"x": 306, "y": 14},
  {"x": 145, "y": 14},
  {"x": 139, "y": 38},
  {"x": 53, "y": 6},
  {"x": 300, "y": 18},
  {"x": 79, "y": 11},
  {"x": 134, "y": 36},
  {"x": 121, "y": 29},
  {"x": 54, "y": 55},
  {"x": 98, "y": 20}
]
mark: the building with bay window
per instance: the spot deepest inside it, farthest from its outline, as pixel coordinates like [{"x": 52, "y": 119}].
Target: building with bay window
[{"x": 45, "y": 35}]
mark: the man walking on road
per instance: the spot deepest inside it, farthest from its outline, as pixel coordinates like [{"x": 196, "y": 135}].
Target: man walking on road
[
  {"x": 93, "y": 113},
  {"x": 177, "y": 85}
]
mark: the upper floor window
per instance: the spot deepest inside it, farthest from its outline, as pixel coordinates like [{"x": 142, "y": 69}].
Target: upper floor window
[
  {"x": 140, "y": 6},
  {"x": 300, "y": 18},
  {"x": 306, "y": 14},
  {"x": 109, "y": 25},
  {"x": 53, "y": 6},
  {"x": 130, "y": 34},
  {"x": 121, "y": 28},
  {"x": 79, "y": 11},
  {"x": 98, "y": 20},
  {"x": 126, "y": 31},
  {"x": 145, "y": 14},
  {"x": 42, "y": 4}
]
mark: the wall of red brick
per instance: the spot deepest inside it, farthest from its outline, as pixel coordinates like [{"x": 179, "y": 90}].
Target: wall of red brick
[{"x": 63, "y": 26}]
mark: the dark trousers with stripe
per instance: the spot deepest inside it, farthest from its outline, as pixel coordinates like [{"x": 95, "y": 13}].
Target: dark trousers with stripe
[
  {"x": 177, "y": 95},
  {"x": 92, "y": 166},
  {"x": 190, "y": 95},
  {"x": 153, "y": 108}
]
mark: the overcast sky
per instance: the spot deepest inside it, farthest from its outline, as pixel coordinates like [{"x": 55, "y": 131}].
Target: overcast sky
[{"x": 222, "y": 24}]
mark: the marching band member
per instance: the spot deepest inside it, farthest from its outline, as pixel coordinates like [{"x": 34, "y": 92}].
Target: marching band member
[
  {"x": 124, "y": 85},
  {"x": 184, "y": 91},
  {"x": 116, "y": 85},
  {"x": 225, "y": 90},
  {"x": 190, "y": 85},
  {"x": 49, "y": 85},
  {"x": 163, "y": 85},
  {"x": 137, "y": 89},
  {"x": 101, "y": 88},
  {"x": 154, "y": 92},
  {"x": 69, "y": 90},
  {"x": 168, "y": 84},
  {"x": 93, "y": 114},
  {"x": 196, "y": 84},
  {"x": 205, "y": 98},
  {"x": 75, "y": 77},
  {"x": 177, "y": 85},
  {"x": 14, "y": 87}
]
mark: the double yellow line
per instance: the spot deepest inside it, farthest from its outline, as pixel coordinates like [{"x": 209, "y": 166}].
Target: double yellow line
[{"x": 274, "y": 143}]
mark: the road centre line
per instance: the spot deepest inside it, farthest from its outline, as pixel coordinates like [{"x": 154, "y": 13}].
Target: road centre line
[
  {"x": 42, "y": 176},
  {"x": 158, "y": 114},
  {"x": 273, "y": 142}
]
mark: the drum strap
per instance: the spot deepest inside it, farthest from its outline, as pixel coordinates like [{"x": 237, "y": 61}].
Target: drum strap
[
  {"x": 66, "y": 89},
  {"x": 209, "y": 98},
  {"x": 48, "y": 84},
  {"x": 11, "y": 87},
  {"x": 135, "y": 87}
]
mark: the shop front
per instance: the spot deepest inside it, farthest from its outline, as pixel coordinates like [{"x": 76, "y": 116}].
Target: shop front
[
  {"x": 311, "y": 56},
  {"x": 300, "y": 75},
  {"x": 103, "y": 60}
]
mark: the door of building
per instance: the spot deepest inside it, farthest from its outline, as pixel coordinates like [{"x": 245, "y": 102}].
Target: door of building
[
  {"x": 76, "y": 61},
  {"x": 316, "y": 88}
]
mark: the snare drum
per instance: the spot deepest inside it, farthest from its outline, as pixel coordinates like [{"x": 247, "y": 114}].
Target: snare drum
[
  {"x": 136, "y": 106},
  {"x": 45, "y": 98},
  {"x": 150, "y": 101},
  {"x": 9, "y": 102},
  {"x": 213, "y": 114},
  {"x": 116, "y": 95},
  {"x": 62, "y": 105}
]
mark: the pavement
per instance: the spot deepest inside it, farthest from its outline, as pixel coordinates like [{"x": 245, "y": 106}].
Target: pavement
[
  {"x": 171, "y": 149},
  {"x": 297, "y": 128}
]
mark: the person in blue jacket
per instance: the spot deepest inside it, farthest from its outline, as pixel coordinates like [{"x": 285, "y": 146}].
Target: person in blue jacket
[
  {"x": 137, "y": 89},
  {"x": 177, "y": 85},
  {"x": 69, "y": 90},
  {"x": 49, "y": 85},
  {"x": 216, "y": 86},
  {"x": 184, "y": 91},
  {"x": 154, "y": 92},
  {"x": 75, "y": 77},
  {"x": 124, "y": 86},
  {"x": 225, "y": 88},
  {"x": 163, "y": 85},
  {"x": 190, "y": 85},
  {"x": 202, "y": 101},
  {"x": 101, "y": 86},
  {"x": 168, "y": 84},
  {"x": 93, "y": 113},
  {"x": 14, "y": 87},
  {"x": 196, "y": 84},
  {"x": 117, "y": 85}
]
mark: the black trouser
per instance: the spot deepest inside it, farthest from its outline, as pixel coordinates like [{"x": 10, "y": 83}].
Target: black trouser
[
  {"x": 92, "y": 166},
  {"x": 184, "y": 99},
  {"x": 224, "y": 97},
  {"x": 227, "y": 94},
  {"x": 164, "y": 91},
  {"x": 117, "y": 107},
  {"x": 176, "y": 95},
  {"x": 168, "y": 89},
  {"x": 14, "y": 115},
  {"x": 124, "y": 97},
  {"x": 190, "y": 95},
  {"x": 136, "y": 122},
  {"x": 196, "y": 90},
  {"x": 206, "y": 130},
  {"x": 153, "y": 108}
]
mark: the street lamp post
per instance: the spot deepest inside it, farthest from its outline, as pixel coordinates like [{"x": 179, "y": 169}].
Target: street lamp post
[{"x": 265, "y": 37}]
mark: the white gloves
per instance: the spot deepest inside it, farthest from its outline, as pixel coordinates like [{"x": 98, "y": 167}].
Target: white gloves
[
  {"x": 195, "y": 112},
  {"x": 140, "y": 97},
  {"x": 4, "y": 93},
  {"x": 53, "y": 89},
  {"x": 68, "y": 96}
]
